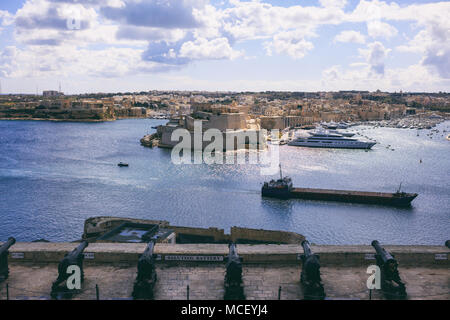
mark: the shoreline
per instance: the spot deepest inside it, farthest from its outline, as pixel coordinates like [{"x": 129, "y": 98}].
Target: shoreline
[{"x": 69, "y": 120}]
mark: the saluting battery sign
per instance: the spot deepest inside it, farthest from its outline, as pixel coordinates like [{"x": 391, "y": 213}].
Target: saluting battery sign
[{"x": 193, "y": 258}]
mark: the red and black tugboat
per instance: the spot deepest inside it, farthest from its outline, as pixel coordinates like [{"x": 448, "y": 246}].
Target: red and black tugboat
[{"x": 283, "y": 189}]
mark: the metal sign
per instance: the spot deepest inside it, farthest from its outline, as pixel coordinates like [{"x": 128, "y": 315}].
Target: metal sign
[
  {"x": 17, "y": 255},
  {"x": 193, "y": 258},
  {"x": 89, "y": 255},
  {"x": 369, "y": 256},
  {"x": 440, "y": 256}
]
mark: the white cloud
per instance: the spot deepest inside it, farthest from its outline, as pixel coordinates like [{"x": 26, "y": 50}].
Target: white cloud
[
  {"x": 256, "y": 20},
  {"x": 6, "y": 18},
  {"x": 198, "y": 30},
  {"x": 40, "y": 61},
  {"x": 375, "y": 55},
  {"x": 433, "y": 42},
  {"x": 378, "y": 29},
  {"x": 332, "y": 74},
  {"x": 350, "y": 36},
  {"x": 203, "y": 49},
  {"x": 292, "y": 43},
  {"x": 333, "y": 3},
  {"x": 155, "y": 13},
  {"x": 412, "y": 78}
]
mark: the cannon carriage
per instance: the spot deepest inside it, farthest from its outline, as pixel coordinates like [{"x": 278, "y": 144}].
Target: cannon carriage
[
  {"x": 146, "y": 274},
  {"x": 310, "y": 277},
  {"x": 392, "y": 285},
  {"x": 60, "y": 288},
  {"x": 4, "y": 251},
  {"x": 234, "y": 286}
]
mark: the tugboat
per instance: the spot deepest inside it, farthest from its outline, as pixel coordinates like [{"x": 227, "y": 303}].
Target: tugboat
[
  {"x": 281, "y": 188},
  {"x": 122, "y": 164}
]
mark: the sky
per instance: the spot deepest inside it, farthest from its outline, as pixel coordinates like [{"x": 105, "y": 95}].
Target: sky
[{"x": 90, "y": 46}]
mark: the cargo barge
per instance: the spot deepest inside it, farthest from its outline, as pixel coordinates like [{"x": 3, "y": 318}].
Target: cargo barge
[{"x": 283, "y": 189}]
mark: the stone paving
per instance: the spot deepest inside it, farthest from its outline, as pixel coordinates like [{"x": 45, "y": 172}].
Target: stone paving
[{"x": 205, "y": 280}]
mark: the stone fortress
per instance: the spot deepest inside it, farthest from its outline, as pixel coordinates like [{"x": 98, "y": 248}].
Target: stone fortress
[{"x": 232, "y": 122}]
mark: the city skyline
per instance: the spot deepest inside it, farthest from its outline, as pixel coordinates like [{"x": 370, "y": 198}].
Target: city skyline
[{"x": 130, "y": 45}]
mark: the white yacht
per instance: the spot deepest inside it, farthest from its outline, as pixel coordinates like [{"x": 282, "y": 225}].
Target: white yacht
[
  {"x": 345, "y": 134},
  {"x": 333, "y": 125},
  {"x": 323, "y": 139}
]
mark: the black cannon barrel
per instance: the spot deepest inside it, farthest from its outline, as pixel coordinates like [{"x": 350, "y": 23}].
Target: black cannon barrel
[
  {"x": 234, "y": 289},
  {"x": 391, "y": 283},
  {"x": 306, "y": 248},
  {"x": 147, "y": 257},
  {"x": 5, "y": 247},
  {"x": 233, "y": 257},
  {"x": 447, "y": 243},
  {"x": 384, "y": 255},
  {"x": 148, "y": 253},
  {"x": 75, "y": 257},
  {"x": 232, "y": 249},
  {"x": 4, "y": 269},
  {"x": 146, "y": 274},
  {"x": 79, "y": 250},
  {"x": 310, "y": 277}
]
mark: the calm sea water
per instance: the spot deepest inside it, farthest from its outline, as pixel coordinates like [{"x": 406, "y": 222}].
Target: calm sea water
[{"x": 54, "y": 175}]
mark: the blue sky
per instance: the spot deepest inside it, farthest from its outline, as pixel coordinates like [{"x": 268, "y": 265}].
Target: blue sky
[{"x": 135, "y": 45}]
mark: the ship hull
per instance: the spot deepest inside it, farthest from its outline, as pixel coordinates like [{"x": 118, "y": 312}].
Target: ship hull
[
  {"x": 280, "y": 193},
  {"x": 331, "y": 145},
  {"x": 389, "y": 199}
]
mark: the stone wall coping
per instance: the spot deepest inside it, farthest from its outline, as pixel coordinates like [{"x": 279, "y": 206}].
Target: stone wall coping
[
  {"x": 162, "y": 248},
  {"x": 128, "y": 253}
]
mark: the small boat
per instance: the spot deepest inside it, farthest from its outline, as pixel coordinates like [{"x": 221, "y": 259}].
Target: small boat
[{"x": 122, "y": 164}]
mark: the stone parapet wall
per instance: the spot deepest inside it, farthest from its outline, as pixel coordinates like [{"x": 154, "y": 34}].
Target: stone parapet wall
[{"x": 423, "y": 256}]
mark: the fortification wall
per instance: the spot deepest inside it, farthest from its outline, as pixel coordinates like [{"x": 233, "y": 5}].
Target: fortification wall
[{"x": 331, "y": 256}]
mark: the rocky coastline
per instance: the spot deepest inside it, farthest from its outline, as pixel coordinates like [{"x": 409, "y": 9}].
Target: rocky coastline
[{"x": 150, "y": 140}]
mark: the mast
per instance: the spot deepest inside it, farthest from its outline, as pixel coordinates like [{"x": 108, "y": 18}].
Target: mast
[
  {"x": 400, "y": 187},
  {"x": 281, "y": 174}
]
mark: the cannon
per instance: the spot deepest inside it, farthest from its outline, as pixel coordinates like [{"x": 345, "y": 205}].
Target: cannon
[
  {"x": 447, "y": 244},
  {"x": 391, "y": 283},
  {"x": 4, "y": 269},
  {"x": 74, "y": 258},
  {"x": 234, "y": 286},
  {"x": 310, "y": 277},
  {"x": 146, "y": 274}
]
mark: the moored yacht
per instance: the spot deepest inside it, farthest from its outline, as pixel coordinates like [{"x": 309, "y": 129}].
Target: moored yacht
[
  {"x": 333, "y": 125},
  {"x": 322, "y": 139},
  {"x": 345, "y": 134}
]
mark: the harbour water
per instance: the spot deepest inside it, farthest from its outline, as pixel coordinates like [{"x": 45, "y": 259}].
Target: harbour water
[{"x": 54, "y": 175}]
